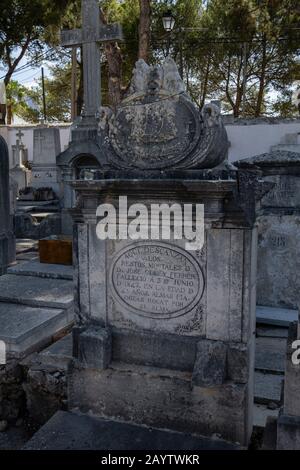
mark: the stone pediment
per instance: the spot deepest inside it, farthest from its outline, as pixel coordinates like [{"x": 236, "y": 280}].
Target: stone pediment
[{"x": 158, "y": 127}]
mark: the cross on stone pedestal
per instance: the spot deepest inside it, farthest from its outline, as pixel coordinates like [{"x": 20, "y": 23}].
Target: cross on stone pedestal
[{"x": 92, "y": 33}]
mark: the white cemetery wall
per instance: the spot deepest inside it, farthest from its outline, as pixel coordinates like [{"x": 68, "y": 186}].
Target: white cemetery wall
[
  {"x": 9, "y": 134},
  {"x": 247, "y": 137}
]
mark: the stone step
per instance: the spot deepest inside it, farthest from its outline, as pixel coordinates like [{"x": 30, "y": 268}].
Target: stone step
[
  {"x": 36, "y": 291},
  {"x": 265, "y": 331},
  {"x": 59, "y": 354},
  {"x": 37, "y": 269},
  {"x": 261, "y": 414},
  {"x": 27, "y": 329},
  {"x": 267, "y": 388},
  {"x": 72, "y": 431},
  {"x": 270, "y": 355},
  {"x": 275, "y": 316},
  {"x": 270, "y": 434}
]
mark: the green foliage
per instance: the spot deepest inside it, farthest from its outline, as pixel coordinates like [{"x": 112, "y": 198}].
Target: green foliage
[{"x": 218, "y": 44}]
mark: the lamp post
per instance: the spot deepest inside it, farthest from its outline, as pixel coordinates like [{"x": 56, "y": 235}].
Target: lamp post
[{"x": 169, "y": 23}]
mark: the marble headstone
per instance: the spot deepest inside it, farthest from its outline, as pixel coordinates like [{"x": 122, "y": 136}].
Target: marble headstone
[
  {"x": 7, "y": 239},
  {"x": 46, "y": 147},
  {"x": 165, "y": 336},
  {"x": 278, "y": 282}
]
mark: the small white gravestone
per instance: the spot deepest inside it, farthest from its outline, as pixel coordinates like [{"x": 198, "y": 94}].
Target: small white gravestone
[{"x": 46, "y": 147}]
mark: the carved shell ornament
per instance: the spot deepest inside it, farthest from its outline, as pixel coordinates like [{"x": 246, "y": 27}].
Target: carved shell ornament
[{"x": 157, "y": 126}]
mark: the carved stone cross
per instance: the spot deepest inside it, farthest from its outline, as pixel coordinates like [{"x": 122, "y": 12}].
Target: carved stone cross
[
  {"x": 92, "y": 33},
  {"x": 20, "y": 134}
]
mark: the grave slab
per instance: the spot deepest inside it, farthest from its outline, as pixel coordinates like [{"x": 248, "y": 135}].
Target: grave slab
[
  {"x": 71, "y": 431},
  {"x": 26, "y": 329},
  {"x": 267, "y": 388},
  {"x": 37, "y": 269},
  {"x": 276, "y": 316},
  {"x": 270, "y": 354},
  {"x": 36, "y": 292},
  {"x": 271, "y": 332}
]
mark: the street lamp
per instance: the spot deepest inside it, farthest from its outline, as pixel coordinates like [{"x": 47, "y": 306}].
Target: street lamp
[{"x": 169, "y": 23}]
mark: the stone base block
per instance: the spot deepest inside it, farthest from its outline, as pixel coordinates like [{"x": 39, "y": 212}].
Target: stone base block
[
  {"x": 288, "y": 433},
  {"x": 161, "y": 398}
]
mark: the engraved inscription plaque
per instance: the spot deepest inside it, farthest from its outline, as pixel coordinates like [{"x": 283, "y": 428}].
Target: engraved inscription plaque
[{"x": 157, "y": 280}]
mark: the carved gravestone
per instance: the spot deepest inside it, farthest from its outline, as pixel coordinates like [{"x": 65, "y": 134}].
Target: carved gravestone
[
  {"x": 7, "y": 239},
  {"x": 165, "y": 336},
  {"x": 278, "y": 282}
]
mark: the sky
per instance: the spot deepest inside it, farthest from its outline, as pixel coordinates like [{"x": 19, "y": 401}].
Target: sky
[{"x": 28, "y": 76}]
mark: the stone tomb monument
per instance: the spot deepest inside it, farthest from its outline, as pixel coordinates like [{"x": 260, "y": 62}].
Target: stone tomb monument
[
  {"x": 46, "y": 147},
  {"x": 278, "y": 281},
  {"x": 165, "y": 336},
  {"x": 19, "y": 172},
  {"x": 7, "y": 238}
]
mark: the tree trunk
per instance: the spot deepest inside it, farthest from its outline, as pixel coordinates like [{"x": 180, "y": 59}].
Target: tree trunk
[
  {"x": 262, "y": 81},
  {"x": 114, "y": 61},
  {"x": 144, "y": 29},
  {"x": 9, "y": 114},
  {"x": 13, "y": 65}
]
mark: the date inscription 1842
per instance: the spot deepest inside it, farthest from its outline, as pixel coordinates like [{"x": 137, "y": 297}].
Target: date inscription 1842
[{"x": 157, "y": 280}]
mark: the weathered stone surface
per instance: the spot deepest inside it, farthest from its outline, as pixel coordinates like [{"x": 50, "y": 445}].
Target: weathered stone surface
[
  {"x": 166, "y": 296},
  {"x": 27, "y": 226},
  {"x": 210, "y": 365},
  {"x": 271, "y": 332},
  {"x": 36, "y": 292},
  {"x": 12, "y": 397},
  {"x": 37, "y": 269},
  {"x": 165, "y": 399},
  {"x": 149, "y": 130},
  {"x": 46, "y": 391},
  {"x": 278, "y": 226},
  {"x": 26, "y": 329},
  {"x": 159, "y": 350},
  {"x": 71, "y": 431},
  {"x": 280, "y": 317},
  {"x": 270, "y": 434},
  {"x": 95, "y": 347},
  {"x": 46, "y": 147},
  {"x": 268, "y": 388},
  {"x": 238, "y": 357},
  {"x": 270, "y": 354},
  {"x": 7, "y": 238},
  {"x": 45, "y": 381},
  {"x": 171, "y": 289},
  {"x": 288, "y": 433},
  {"x": 270, "y": 160},
  {"x": 261, "y": 414},
  {"x": 278, "y": 260}
]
